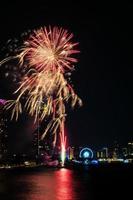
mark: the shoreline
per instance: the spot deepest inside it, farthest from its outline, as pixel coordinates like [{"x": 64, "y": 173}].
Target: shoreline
[{"x": 71, "y": 166}]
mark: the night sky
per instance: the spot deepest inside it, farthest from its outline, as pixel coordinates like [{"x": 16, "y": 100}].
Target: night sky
[{"x": 103, "y": 75}]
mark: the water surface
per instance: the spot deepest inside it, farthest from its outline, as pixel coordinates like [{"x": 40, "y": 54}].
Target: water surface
[{"x": 64, "y": 184}]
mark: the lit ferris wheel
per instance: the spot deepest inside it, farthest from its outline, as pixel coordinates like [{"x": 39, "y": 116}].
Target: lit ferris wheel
[{"x": 86, "y": 153}]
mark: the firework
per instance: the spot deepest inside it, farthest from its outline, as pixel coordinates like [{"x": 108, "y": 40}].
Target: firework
[
  {"x": 46, "y": 56},
  {"x": 63, "y": 144},
  {"x": 2, "y": 101}
]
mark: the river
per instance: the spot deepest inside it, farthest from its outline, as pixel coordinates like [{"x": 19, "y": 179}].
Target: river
[{"x": 65, "y": 184}]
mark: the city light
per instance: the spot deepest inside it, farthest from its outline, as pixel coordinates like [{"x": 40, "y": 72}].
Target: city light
[{"x": 86, "y": 154}]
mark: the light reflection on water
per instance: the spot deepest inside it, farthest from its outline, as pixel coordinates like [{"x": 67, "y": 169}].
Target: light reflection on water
[
  {"x": 64, "y": 184},
  {"x": 57, "y": 184}
]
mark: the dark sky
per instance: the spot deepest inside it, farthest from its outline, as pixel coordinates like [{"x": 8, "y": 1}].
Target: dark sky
[{"x": 103, "y": 75}]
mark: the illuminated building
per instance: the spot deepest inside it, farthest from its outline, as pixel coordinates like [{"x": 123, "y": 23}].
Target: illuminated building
[
  {"x": 115, "y": 151},
  {"x": 3, "y": 135},
  {"x": 103, "y": 153},
  {"x": 73, "y": 152},
  {"x": 130, "y": 148},
  {"x": 70, "y": 153},
  {"x": 38, "y": 146},
  {"x": 124, "y": 152},
  {"x": 41, "y": 147}
]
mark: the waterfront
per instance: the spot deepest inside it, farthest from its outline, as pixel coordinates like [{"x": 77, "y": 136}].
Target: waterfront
[{"x": 65, "y": 184}]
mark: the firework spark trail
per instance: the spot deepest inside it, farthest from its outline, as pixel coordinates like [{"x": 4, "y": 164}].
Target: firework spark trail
[{"x": 46, "y": 57}]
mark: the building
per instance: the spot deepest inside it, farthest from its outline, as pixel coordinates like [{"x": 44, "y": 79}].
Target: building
[
  {"x": 70, "y": 153},
  {"x": 102, "y": 153},
  {"x": 40, "y": 147},
  {"x": 115, "y": 152},
  {"x": 130, "y": 148},
  {"x": 124, "y": 152}
]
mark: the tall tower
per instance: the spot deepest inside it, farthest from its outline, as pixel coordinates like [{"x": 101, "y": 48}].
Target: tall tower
[{"x": 3, "y": 134}]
